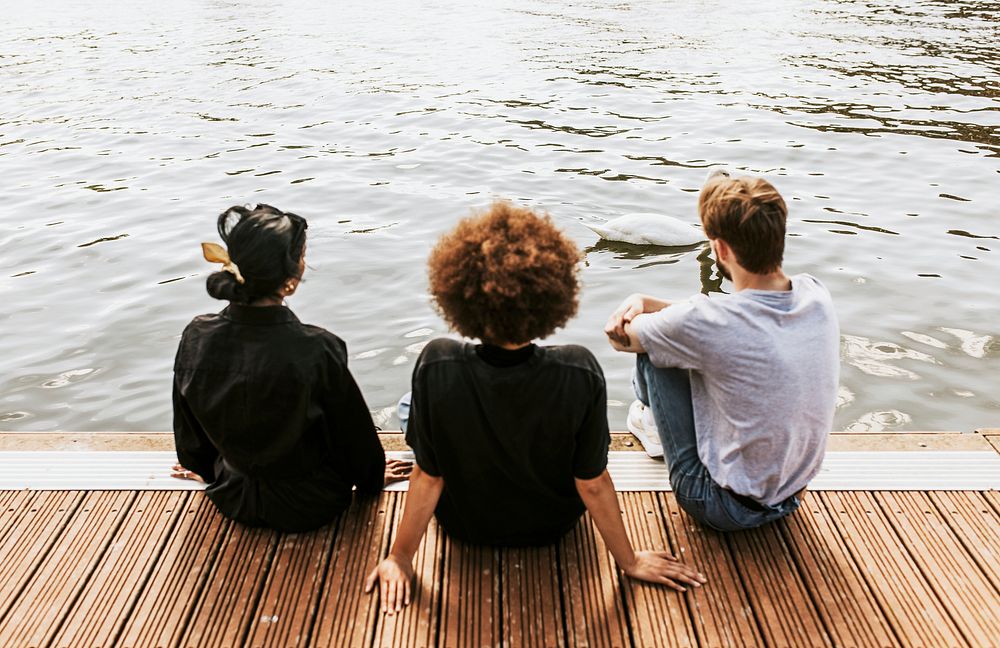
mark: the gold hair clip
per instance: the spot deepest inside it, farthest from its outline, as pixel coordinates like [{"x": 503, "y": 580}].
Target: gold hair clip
[{"x": 215, "y": 253}]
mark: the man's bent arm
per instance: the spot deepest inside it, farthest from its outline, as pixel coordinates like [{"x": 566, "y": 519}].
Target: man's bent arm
[{"x": 629, "y": 343}]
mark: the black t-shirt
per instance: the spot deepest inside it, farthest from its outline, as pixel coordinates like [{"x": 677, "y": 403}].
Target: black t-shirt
[
  {"x": 266, "y": 410},
  {"x": 508, "y": 440}
]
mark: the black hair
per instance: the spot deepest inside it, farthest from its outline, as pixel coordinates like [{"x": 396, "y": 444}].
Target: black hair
[{"x": 266, "y": 245}]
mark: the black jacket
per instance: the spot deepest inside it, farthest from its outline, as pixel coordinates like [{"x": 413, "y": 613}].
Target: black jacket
[{"x": 266, "y": 410}]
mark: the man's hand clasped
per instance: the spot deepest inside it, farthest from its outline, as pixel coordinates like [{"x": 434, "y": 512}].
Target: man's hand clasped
[{"x": 615, "y": 328}]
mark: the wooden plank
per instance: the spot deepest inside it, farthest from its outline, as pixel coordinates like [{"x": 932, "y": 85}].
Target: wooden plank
[
  {"x": 13, "y": 504},
  {"x": 842, "y": 597},
  {"x": 178, "y": 575},
  {"x": 720, "y": 610},
  {"x": 345, "y": 615},
  {"x": 659, "y": 615},
  {"x": 531, "y": 602},
  {"x": 223, "y": 613},
  {"x": 120, "y": 576},
  {"x": 50, "y": 594},
  {"x": 287, "y": 609},
  {"x": 595, "y": 615},
  {"x": 34, "y": 526},
  {"x": 977, "y": 526},
  {"x": 417, "y": 624},
  {"x": 904, "y": 596},
  {"x": 971, "y": 600},
  {"x": 470, "y": 608},
  {"x": 785, "y": 612},
  {"x": 993, "y": 497},
  {"x": 994, "y": 441}
]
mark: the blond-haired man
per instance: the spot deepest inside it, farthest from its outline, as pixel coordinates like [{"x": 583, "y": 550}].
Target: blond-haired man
[{"x": 736, "y": 391}]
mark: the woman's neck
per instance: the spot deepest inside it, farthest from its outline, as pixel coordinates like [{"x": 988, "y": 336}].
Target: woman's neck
[{"x": 267, "y": 301}]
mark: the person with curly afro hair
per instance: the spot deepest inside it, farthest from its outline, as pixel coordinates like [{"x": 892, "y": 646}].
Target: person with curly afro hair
[{"x": 510, "y": 437}]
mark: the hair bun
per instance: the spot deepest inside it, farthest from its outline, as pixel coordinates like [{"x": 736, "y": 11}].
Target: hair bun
[{"x": 223, "y": 285}]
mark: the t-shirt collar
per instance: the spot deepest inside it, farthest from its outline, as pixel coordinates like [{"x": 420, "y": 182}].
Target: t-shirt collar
[{"x": 259, "y": 314}]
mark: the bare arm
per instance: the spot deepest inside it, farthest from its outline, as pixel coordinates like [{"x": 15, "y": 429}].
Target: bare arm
[
  {"x": 599, "y": 497},
  {"x": 628, "y": 343},
  {"x": 617, "y": 327},
  {"x": 395, "y": 573}
]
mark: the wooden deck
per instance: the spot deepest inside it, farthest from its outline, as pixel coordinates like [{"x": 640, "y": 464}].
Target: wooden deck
[{"x": 163, "y": 568}]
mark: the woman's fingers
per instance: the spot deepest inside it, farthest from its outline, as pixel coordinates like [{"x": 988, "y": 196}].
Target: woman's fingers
[
  {"x": 383, "y": 590},
  {"x": 396, "y": 597},
  {"x": 401, "y": 470},
  {"x": 370, "y": 581},
  {"x": 678, "y": 571},
  {"x": 663, "y": 580}
]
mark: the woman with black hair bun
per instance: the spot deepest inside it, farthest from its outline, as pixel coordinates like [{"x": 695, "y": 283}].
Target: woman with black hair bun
[{"x": 266, "y": 411}]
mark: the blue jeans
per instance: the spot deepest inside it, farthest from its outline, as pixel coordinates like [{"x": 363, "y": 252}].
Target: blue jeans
[
  {"x": 668, "y": 392},
  {"x": 403, "y": 411}
]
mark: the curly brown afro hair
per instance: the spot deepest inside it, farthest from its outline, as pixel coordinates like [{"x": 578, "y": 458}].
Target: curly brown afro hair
[{"x": 506, "y": 276}]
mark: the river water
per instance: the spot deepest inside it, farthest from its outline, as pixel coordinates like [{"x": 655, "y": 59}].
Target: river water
[{"x": 126, "y": 127}]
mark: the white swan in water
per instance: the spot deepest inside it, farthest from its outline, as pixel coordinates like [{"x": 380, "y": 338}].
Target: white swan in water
[
  {"x": 649, "y": 229},
  {"x": 653, "y": 229}
]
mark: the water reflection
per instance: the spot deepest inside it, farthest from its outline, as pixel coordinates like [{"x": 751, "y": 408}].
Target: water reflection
[
  {"x": 711, "y": 277},
  {"x": 880, "y": 421},
  {"x": 877, "y": 121},
  {"x": 655, "y": 254},
  {"x": 877, "y": 358}
]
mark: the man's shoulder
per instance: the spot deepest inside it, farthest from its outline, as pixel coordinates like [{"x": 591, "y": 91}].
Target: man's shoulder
[{"x": 809, "y": 285}]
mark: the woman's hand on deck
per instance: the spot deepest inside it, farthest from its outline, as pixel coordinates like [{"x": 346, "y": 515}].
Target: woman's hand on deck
[
  {"x": 395, "y": 581},
  {"x": 660, "y": 567},
  {"x": 397, "y": 470},
  {"x": 180, "y": 472}
]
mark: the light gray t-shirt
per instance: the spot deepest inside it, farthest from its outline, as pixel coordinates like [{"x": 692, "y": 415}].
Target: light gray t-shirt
[{"x": 764, "y": 378}]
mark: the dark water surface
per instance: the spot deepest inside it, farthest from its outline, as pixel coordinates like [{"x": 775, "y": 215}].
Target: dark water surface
[{"x": 126, "y": 127}]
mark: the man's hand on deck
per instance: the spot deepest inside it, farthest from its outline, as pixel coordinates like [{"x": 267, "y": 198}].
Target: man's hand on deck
[
  {"x": 395, "y": 581},
  {"x": 397, "y": 470},
  {"x": 660, "y": 567}
]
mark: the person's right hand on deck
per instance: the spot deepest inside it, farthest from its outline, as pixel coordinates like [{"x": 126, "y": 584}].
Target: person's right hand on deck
[
  {"x": 663, "y": 568},
  {"x": 598, "y": 495}
]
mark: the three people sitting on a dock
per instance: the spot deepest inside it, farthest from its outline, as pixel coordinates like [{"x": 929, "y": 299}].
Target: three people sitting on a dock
[
  {"x": 736, "y": 391},
  {"x": 510, "y": 437},
  {"x": 266, "y": 411}
]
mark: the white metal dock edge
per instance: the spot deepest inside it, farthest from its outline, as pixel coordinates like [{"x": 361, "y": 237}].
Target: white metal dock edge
[{"x": 631, "y": 471}]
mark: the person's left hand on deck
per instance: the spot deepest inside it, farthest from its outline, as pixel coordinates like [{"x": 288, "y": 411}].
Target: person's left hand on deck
[
  {"x": 180, "y": 472},
  {"x": 397, "y": 470}
]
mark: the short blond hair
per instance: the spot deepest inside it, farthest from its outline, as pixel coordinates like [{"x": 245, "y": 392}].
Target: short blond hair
[{"x": 749, "y": 214}]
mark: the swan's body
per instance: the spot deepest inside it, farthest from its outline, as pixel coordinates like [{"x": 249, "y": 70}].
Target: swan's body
[{"x": 649, "y": 229}]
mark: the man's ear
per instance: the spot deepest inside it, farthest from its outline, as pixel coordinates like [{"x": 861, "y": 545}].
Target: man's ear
[{"x": 722, "y": 250}]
